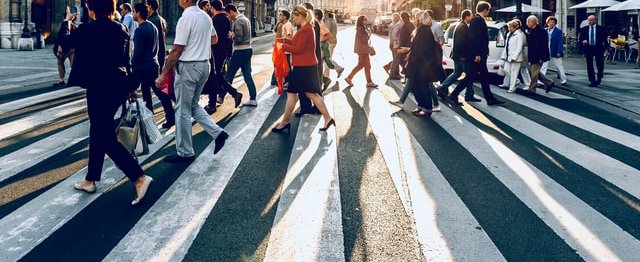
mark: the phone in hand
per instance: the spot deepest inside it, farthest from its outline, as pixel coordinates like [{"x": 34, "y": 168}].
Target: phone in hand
[{"x": 73, "y": 10}]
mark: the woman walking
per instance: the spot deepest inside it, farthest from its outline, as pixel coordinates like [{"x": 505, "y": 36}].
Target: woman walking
[
  {"x": 362, "y": 48},
  {"x": 304, "y": 75},
  {"x": 100, "y": 66},
  {"x": 513, "y": 54}
]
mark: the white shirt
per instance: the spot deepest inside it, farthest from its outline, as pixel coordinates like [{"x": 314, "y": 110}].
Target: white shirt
[
  {"x": 194, "y": 31},
  {"x": 287, "y": 29}
]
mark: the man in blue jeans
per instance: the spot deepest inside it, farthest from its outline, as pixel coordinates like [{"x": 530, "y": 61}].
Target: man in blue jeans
[{"x": 242, "y": 52}]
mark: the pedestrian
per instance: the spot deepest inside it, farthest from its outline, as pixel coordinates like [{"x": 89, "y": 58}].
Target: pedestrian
[
  {"x": 424, "y": 64},
  {"x": 161, "y": 25},
  {"x": 594, "y": 43},
  {"x": 61, "y": 51},
  {"x": 480, "y": 51},
  {"x": 332, "y": 24},
  {"x": 556, "y": 49},
  {"x": 438, "y": 36},
  {"x": 144, "y": 63},
  {"x": 436, "y": 28},
  {"x": 100, "y": 66},
  {"x": 190, "y": 57},
  {"x": 405, "y": 36},
  {"x": 325, "y": 35},
  {"x": 283, "y": 29},
  {"x": 205, "y": 6},
  {"x": 512, "y": 54},
  {"x": 241, "y": 56},
  {"x": 524, "y": 67},
  {"x": 460, "y": 55},
  {"x": 362, "y": 49},
  {"x": 304, "y": 75},
  {"x": 306, "y": 105},
  {"x": 538, "y": 42},
  {"x": 127, "y": 19},
  {"x": 392, "y": 68}
]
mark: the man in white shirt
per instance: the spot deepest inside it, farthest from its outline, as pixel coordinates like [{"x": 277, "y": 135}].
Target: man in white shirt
[{"x": 190, "y": 55}]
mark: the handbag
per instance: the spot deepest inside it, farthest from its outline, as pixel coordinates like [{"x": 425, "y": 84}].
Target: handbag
[
  {"x": 372, "y": 51},
  {"x": 167, "y": 83},
  {"x": 130, "y": 130},
  {"x": 151, "y": 130}
]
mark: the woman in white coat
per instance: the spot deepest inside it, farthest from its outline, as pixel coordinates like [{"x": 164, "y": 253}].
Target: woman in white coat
[{"x": 513, "y": 53}]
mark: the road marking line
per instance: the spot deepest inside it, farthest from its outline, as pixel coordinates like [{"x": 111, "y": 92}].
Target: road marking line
[
  {"x": 41, "y": 118},
  {"x": 33, "y": 100},
  {"x": 30, "y": 77}
]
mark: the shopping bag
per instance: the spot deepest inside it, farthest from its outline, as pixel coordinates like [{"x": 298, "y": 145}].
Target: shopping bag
[
  {"x": 130, "y": 130},
  {"x": 152, "y": 132},
  {"x": 167, "y": 83}
]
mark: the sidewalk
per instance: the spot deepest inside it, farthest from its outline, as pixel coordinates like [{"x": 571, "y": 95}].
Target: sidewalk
[{"x": 22, "y": 71}]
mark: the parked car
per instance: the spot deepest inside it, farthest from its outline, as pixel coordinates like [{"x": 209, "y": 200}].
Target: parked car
[
  {"x": 381, "y": 24},
  {"x": 447, "y": 22},
  {"x": 497, "y": 32}
]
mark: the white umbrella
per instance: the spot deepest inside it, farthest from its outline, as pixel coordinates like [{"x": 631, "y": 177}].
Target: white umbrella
[
  {"x": 626, "y": 5},
  {"x": 525, "y": 9},
  {"x": 595, "y": 3}
]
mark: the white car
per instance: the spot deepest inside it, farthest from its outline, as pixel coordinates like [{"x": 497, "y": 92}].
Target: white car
[{"x": 497, "y": 32}]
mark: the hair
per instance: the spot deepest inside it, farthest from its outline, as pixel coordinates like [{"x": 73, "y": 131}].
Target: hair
[
  {"x": 482, "y": 6},
  {"x": 405, "y": 17},
  {"x": 330, "y": 15},
  {"x": 415, "y": 10},
  {"x": 304, "y": 12},
  {"x": 217, "y": 5},
  {"x": 360, "y": 21},
  {"x": 555, "y": 20},
  {"x": 153, "y": 4},
  {"x": 431, "y": 13},
  {"x": 318, "y": 14},
  {"x": 230, "y": 8},
  {"x": 102, "y": 8},
  {"x": 286, "y": 14},
  {"x": 141, "y": 8},
  {"x": 533, "y": 18},
  {"x": 202, "y": 3},
  {"x": 126, "y": 6},
  {"x": 515, "y": 23},
  {"x": 308, "y": 6},
  {"x": 423, "y": 18},
  {"x": 465, "y": 13}
]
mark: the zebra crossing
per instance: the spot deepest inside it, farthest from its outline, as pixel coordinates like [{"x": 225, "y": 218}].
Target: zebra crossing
[{"x": 533, "y": 180}]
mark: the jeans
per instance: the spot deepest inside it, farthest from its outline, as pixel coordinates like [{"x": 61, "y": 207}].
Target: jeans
[
  {"x": 241, "y": 59},
  {"x": 459, "y": 68},
  {"x": 408, "y": 86},
  {"x": 190, "y": 79}
]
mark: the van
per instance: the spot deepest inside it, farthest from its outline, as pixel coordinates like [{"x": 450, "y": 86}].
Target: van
[{"x": 497, "y": 32}]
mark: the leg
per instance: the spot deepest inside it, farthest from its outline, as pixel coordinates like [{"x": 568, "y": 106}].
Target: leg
[
  {"x": 165, "y": 99},
  {"x": 526, "y": 76},
  {"x": 590, "y": 72},
  {"x": 557, "y": 61},
  {"x": 61, "y": 70},
  {"x": 201, "y": 70},
  {"x": 484, "y": 80},
  {"x": 185, "y": 87},
  {"x": 514, "y": 68},
  {"x": 142, "y": 79},
  {"x": 246, "y": 72},
  {"x": 600, "y": 64},
  {"x": 395, "y": 65},
  {"x": 234, "y": 66},
  {"x": 367, "y": 67},
  {"x": 292, "y": 99},
  {"x": 453, "y": 77},
  {"x": 408, "y": 86},
  {"x": 319, "y": 102},
  {"x": 535, "y": 72}
]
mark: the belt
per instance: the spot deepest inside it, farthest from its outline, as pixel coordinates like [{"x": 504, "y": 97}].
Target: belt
[{"x": 196, "y": 61}]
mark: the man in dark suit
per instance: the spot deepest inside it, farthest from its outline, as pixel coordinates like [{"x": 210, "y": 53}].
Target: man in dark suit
[
  {"x": 594, "y": 42},
  {"x": 460, "y": 55},
  {"x": 480, "y": 50},
  {"x": 538, "y": 42}
]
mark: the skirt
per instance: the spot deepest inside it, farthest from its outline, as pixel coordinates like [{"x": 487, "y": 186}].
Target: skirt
[{"x": 304, "y": 79}]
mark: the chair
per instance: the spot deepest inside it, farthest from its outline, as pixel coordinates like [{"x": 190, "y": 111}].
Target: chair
[
  {"x": 633, "y": 46},
  {"x": 618, "y": 50}
]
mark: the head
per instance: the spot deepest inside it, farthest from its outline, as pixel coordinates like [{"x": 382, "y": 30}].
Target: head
[
  {"x": 361, "y": 22},
  {"x": 302, "y": 15},
  {"x": 592, "y": 20},
  {"x": 551, "y": 22},
  {"x": 308, "y": 6},
  {"x": 414, "y": 11},
  {"x": 532, "y": 21},
  {"x": 466, "y": 15},
  {"x": 101, "y": 8},
  {"x": 422, "y": 18},
  {"x": 330, "y": 15},
  {"x": 204, "y": 5},
  {"x": 431, "y": 14},
  {"x": 125, "y": 8},
  {"x": 232, "y": 10},
  {"x": 513, "y": 25},
  {"x": 216, "y": 6},
  {"x": 140, "y": 12},
  {"x": 152, "y": 6},
  {"x": 395, "y": 17},
  {"x": 406, "y": 18},
  {"x": 284, "y": 16},
  {"x": 483, "y": 8},
  {"x": 187, "y": 3},
  {"x": 318, "y": 14}
]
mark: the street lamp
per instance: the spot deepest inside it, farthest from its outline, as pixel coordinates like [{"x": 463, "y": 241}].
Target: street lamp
[
  {"x": 253, "y": 18},
  {"x": 519, "y": 9},
  {"x": 26, "y": 33}
]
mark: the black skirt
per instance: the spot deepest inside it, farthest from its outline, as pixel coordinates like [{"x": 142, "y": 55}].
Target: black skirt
[{"x": 304, "y": 79}]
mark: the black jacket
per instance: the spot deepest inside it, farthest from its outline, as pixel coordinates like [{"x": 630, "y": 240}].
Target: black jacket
[
  {"x": 479, "y": 37},
  {"x": 101, "y": 59},
  {"x": 161, "y": 25},
  {"x": 601, "y": 38},
  {"x": 405, "y": 34},
  {"x": 538, "y": 43},
  {"x": 66, "y": 28},
  {"x": 461, "y": 42},
  {"x": 224, "y": 47},
  {"x": 425, "y": 60}
]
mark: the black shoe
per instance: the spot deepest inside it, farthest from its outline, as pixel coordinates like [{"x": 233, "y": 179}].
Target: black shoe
[
  {"x": 168, "y": 125},
  {"x": 59, "y": 84},
  {"x": 179, "y": 159},
  {"x": 593, "y": 85},
  {"x": 331, "y": 123},
  {"x": 281, "y": 130},
  {"x": 210, "y": 109},
  {"x": 222, "y": 137},
  {"x": 453, "y": 101},
  {"x": 495, "y": 102},
  {"x": 547, "y": 88},
  {"x": 237, "y": 99},
  {"x": 473, "y": 99}
]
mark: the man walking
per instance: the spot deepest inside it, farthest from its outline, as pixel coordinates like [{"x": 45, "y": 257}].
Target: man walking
[
  {"x": 480, "y": 50},
  {"x": 144, "y": 62},
  {"x": 594, "y": 42},
  {"x": 242, "y": 52},
  {"x": 161, "y": 25},
  {"x": 61, "y": 51},
  {"x": 538, "y": 42},
  {"x": 127, "y": 18},
  {"x": 556, "y": 49},
  {"x": 460, "y": 56},
  {"x": 190, "y": 56},
  {"x": 394, "y": 43},
  {"x": 329, "y": 43}
]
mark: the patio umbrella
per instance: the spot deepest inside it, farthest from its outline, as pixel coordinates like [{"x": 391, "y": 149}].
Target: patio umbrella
[
  {"x": 626, "y": 5},
  {"x": 595, "y": 4},
  {"x": 525, "y": 9}
]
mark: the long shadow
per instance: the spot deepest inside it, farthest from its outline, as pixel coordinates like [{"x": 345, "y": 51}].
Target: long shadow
[{"x": 17, "y": 114}]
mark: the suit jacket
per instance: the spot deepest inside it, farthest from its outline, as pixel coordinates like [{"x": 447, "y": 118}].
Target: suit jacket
[
  {"x": 538, "y": 42},
  {"x": 224, "y": 47},
  {"x": 461, "y": 42},
  {"x": 601, "y": 38},
  {"x": 66, "y": 28},
  {"x": 425, "y": 61},
  {"x": 479, "y": 37},
  {"x": 101, "y": 59},
  {"x": 556, "y": 42}
]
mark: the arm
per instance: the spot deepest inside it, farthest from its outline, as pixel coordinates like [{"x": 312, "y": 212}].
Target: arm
[
  {"x": 295, "y": 47},
  {"x": 518, "y": 47},
  {"x": 138, "y": 44},
  {"x": 560, "y": 44}
]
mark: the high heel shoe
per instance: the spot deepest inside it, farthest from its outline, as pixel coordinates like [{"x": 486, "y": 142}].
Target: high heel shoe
[
  {"x": 329, "y": 124},
  {"x": 281, "y": 130}
]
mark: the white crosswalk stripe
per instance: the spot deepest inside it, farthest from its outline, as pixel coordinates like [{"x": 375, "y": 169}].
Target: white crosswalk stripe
[{"x": 309, "y": 218}]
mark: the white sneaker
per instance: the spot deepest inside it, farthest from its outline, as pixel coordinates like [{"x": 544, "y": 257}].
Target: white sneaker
[
  {"x": 436, "y": 108},
  {"x": 252, "y": 103}
]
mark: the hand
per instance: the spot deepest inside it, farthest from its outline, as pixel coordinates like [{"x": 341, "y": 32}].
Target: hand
[
  {"x": 59, "y": 50},
  {"x": 584, "y": 42},
  {"x": 132, "y": 96},
  {"x": 231, "y": 34},
  {"x": 279, "y": 45},
  {"x": 558, "y": 55},
  {"x": 540, "y": 62},
  {"x": 158, "y": 81},
  {"x": 477, "y": 60}
]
